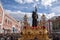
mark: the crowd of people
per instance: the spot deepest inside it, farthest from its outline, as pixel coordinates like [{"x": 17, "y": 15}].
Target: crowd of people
[{"x": 56, "y": 37}]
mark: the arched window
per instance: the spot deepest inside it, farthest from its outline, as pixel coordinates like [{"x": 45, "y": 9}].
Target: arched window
[{"x": 6, "y": 20}]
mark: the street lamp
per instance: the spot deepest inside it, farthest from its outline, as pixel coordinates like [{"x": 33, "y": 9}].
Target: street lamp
[{"x": 13, "y": 28}]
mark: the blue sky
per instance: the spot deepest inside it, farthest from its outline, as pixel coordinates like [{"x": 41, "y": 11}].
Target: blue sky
[
  {"x": 20, "y": 7},
  {"x": 24, "y": 7},
  {"x": 27, "y": 5},
  {"x": 14, "y": 5}
]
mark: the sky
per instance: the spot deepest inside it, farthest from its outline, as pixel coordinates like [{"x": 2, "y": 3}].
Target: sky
[{"x": 18, "y": 8}]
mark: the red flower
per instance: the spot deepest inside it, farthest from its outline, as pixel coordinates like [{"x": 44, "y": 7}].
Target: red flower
[
  {"x": 32, "y": 27},
  {"x": 25, "y": 27},
  {"x": 43, "y": 27}
]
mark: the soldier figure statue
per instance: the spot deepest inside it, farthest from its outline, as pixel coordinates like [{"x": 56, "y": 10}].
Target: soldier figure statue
[{"x": 34, "y": 18}]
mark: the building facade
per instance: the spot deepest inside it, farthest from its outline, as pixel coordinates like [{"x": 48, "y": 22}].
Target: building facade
[
  {"x": 49, "y": 26},
  {"x": 8, "y": 23},
  {"x": 56, "y": 24}
]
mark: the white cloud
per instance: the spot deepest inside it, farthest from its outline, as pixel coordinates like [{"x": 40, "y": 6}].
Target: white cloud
[
  {"x": 19, "y": 15},
  {"x": 56, "y": 9},
  {"x": 50, "y": 15},
  {"x": 19, "y": 1},
  {"x": 43, "y": 2},
  {"x": 14, "y": 12},
  {"x": 37, "y": 0},
  {"x": 28, "y": 1},
  {"x": 47, "y": 2},
  {"x": 25, "y": 1},
  {"x": 18, "y": 12}
]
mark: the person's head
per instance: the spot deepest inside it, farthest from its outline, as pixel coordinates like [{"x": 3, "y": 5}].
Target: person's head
[{"x": 33, "y": 12}]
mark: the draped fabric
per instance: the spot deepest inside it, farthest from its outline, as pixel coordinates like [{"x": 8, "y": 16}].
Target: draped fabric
[{"x": 34, "y": 19}]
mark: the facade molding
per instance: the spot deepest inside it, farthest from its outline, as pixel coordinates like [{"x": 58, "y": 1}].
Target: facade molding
[{"x": 2, "y": 13}]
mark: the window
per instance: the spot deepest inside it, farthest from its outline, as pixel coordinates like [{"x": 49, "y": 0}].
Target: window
[
  {"x": 0, "y": 26},
  {"x": 9, "y": 22},
  {"x": 6, "y": 20},
  {"x": 16, "y": 25},
  {"x": 0, "y": 21}
]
